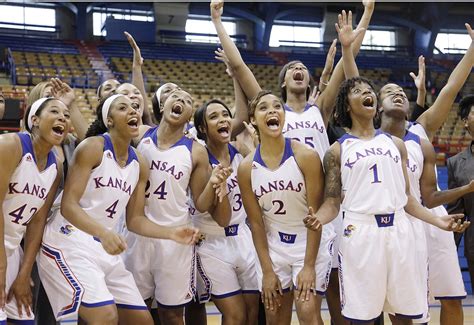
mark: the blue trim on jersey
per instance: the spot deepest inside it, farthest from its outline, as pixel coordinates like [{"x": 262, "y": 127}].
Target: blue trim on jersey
[
  {"x": 289, "y": 109},
  {"x": 345, "y": 137},
  {"x": 227, "y": 295},
  {"x": 151, "y": 133},
  {"x": 27, "y": 147},
  {"x": 67, "y": 273},
  {"x": 409, "y": 136},
  {"x": 109, "y": 146},
  {"x": 173, "y": 306},
  {"x": 379, "y": 132},
  {"x": 409, "y": 316},
  {"x": 232, "y": 152},
  {"x": 184, "y": 141},
  {"x": 250, "y": 292},
  {"x": 286, "y": 154},
  {"x": 97, "y": 304},
  {"x": 451, "y": 298},
  {"x": 360, "y": 320},
  {"x": 134, "y": 307},
  {"x": 3, "y": 322},
  {"x": 189, "y": 126},
  {"x": 20, "y": 321}
]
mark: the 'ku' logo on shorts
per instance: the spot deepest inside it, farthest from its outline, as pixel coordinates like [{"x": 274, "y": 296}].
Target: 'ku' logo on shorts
[
  {"x": 67, "y": 229},
  {"x": 348, "y": 231}
]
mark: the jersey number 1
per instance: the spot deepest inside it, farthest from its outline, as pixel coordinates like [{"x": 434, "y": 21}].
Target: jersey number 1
[{"x": 376, "y": 174}]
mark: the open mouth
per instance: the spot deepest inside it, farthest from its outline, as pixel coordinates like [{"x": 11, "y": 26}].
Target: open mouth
[
  {"x": 273, "y": 123},
  {"x": 133, "y": 122},
  {"x": 59, "y": 130},
  {"x": 298, "y": 75},
  {"x": 177, "y": 110},
  {"x": 136, "y": 106},
  {"x": 223, "y": 130},
  {"x": 368, "y": 102}
]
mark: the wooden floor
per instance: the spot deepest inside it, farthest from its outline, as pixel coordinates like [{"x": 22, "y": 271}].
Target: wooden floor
[{"x": 214, "y": 317}]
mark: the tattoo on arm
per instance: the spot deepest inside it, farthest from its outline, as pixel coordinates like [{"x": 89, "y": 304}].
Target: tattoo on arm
[{"x": 332, "y": 169}]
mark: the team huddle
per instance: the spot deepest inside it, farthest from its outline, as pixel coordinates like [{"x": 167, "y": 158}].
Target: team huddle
[{"x": 236, "y": 206}]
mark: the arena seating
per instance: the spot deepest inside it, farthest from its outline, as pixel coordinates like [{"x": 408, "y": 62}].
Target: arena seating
[{"x": 194, "y": 67}]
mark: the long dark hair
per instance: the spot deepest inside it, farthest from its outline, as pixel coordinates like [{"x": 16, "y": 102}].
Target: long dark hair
[
  {"x": 200, "y": 117},
  {"x": 97, "y": 126},
  {"x": 341, "y": 113}
]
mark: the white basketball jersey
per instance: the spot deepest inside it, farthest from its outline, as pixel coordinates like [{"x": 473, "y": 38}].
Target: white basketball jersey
[
  {"x": 26, "y": 194},
  {"x": 281, "y": 193},
  {"x": 110, "y": 186},
  {"x": 414, "y": 163},
  {"x": 307, "y": 127},
  {"x": 170, "y": 172},
  {"x": 204, "y": 221},
  {"x": 372, "y": 175}
]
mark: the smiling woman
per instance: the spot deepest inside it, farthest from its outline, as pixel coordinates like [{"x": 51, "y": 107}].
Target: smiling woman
[{"x": 28, "y": 183}]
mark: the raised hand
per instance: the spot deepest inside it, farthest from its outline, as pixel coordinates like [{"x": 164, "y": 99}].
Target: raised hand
[
  {"x": 305, "y": 282},
  {"x": 217, "y": 8},
  {"x": 219, "y": 175},
  {"x": 420, "y": 78},
  {"x": 62, "y": 91},
  {"x": 137, "y": 56},
  {"x": 311, "y": 221},
  {"x": 344, "y": 29},
  {"x": 220, "y": 55},
  {"x": 329, "y": 65},
  {"x": 469, "y": 31},
  {"x": 314, "y": 96},
  {"x": 185, "y": 235}
]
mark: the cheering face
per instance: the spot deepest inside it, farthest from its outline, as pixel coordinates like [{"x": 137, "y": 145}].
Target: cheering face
[
  {"x": 133, "y": 93},
  {"x": 178, "y": 108},
  {"x": 269, "y": 116},
  {"x": 362, "y": 101},
  {"x": 219, "y": 123},
  {"x": 296, "y": 78},
  {"x": 47, "y": 91},
  {"x": 108, "y": 88},
  {"x": 167, "y": 89},
  {"x": 2, "y": 106},
  {"x": 123, "y": 117},
  {"x": 394, "y": 100},
  {"x": 53, "y": 122}
]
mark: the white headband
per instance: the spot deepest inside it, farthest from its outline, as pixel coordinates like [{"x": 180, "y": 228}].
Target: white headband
[
  {"x": 106, "y": 108},
  {"x": 158, "y": 94},
  {"x": 34, "y": 108}
]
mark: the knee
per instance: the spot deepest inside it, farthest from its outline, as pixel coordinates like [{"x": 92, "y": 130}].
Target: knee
[
  {"x": 452, "y": 305},
  {"x": 171, "y": 316},
  {"x": 235, "y": 317},
  {"x": 109, "y": 316},
  {"x": 307, "y": 313}
]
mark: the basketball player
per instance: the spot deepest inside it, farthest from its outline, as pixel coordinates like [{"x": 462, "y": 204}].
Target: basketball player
[
  {"x": 443, "y": 258},
  {"x": 368, "y": 167},
  {"x": 421, "y": 171},
  {"x": 306, "y": 123},
  {"x": 226, "y": 257},
  {"x": 78, "y": 264},
  {"x": 177, "y": 164},
  {"x": 28, "y": 182},
  {"x": 279, "y": 181}
]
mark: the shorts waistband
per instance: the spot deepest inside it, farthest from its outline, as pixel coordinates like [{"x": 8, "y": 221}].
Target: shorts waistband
[
  {"x": 380, "y": 220},
  {"x": 287, "y": 236}
]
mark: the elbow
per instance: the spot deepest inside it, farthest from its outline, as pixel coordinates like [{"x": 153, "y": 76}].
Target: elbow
[{"x": 430, "y": 204}]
